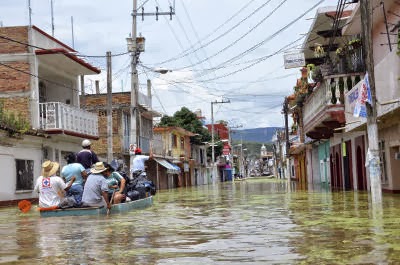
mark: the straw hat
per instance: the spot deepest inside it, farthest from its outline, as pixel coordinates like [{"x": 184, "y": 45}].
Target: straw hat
[
  {"x": 49, "y": 168},
  {"x": 98, "y": 168}
]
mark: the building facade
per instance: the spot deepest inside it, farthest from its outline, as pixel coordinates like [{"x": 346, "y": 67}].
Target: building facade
[{"x": 39, "y": 84}]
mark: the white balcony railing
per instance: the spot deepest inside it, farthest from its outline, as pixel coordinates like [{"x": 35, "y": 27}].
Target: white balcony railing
[
  {"x": 330, "y": 92},
  {"x": 60, "y": 116}
]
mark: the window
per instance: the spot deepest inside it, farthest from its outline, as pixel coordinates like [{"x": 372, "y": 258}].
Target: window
[
  {"x": 174, "y": 140},
  {"x": 24, "y": 174},
  {"x": 182, "y": 142},
  {"x": 382, "y": 158}
]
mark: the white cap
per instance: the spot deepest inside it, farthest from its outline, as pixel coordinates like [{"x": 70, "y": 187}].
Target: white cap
[{"x": 86, "y": 143}]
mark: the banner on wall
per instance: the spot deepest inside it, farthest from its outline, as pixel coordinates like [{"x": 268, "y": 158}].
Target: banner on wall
[{"x": 363, "y": 96}]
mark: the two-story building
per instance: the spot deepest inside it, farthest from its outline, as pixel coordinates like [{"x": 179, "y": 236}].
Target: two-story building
[
  {"x": 336, "y": 151},
  {"x": 385, "y": 40},
  {"x": 177, "y": 148},
  {"x": 39, "y": 81}
]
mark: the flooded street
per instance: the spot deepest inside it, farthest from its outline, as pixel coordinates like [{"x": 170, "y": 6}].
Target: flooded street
[{"x": 256, "y": 221}]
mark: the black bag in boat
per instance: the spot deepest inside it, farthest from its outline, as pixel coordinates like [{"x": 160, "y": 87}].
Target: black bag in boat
[{"x": 142, "y": 186}]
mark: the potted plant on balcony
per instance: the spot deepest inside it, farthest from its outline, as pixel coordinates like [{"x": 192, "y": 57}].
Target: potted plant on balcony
[
  {"x": 354, "y": 44},
  {"x": 319, "y": 50},
  {"x": 294, "y": 128}
]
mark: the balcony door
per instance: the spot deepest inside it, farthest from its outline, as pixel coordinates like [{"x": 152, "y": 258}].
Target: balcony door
[{"x": 42, "y": 92}]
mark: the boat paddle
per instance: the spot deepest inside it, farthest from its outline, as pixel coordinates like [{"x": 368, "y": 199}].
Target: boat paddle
[
  {"x": 24, "y": 206},
  {"x": 111, "y": 201}
]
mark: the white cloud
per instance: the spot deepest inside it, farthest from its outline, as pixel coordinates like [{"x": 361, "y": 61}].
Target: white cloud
[{"x": 256, "y": 93}]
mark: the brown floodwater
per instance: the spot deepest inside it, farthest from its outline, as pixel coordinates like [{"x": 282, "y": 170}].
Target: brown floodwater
[{"x": 256, "y": 221}]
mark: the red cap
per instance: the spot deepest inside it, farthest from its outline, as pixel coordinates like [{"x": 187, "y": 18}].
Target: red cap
[{"x": 138, "y": 150}]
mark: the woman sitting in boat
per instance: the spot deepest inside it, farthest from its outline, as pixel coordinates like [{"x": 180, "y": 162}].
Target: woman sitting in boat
[
  {"x": 51, "y": 187},
  {"x": 116, "y": 185},
  {"x": 76, "y": 173}
]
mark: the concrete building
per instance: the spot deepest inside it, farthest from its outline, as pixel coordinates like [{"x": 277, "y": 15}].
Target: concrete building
[
  {"x": 335, "y": 152},
  {"x": 39, "y": 82}
]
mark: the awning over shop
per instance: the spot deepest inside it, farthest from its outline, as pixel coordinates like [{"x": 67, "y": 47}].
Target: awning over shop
[{"x": 171, "y": 168}]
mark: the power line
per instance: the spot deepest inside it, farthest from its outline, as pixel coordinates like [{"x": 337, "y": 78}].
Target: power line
[
  {"x": 217, "y": 38},
  {"x": 242, "y": 36},
  {"x": 251, "y": 65},
  {"x": 263, "y": 42},
  {"x": 38, "y": 77},
  {"x": 61, "y": 52}
]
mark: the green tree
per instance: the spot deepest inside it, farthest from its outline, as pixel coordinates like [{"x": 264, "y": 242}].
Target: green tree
[{"x": 187, "y": 120}]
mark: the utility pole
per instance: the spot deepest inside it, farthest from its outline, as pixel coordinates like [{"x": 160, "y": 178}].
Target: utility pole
[
  {"x": 134, "y": 47},
  {"x": 286, "y": 113},
  {"x": 373, "y": 159},
  {"x": 109, "y": 110},
  {"x": 212, "y": 126}
]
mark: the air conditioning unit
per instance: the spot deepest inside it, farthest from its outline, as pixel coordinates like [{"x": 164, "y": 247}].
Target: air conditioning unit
[{"x": 397, "y": 156}]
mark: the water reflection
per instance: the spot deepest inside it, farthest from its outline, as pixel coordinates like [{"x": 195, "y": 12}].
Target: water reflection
[{"x": 257, "y": 221}]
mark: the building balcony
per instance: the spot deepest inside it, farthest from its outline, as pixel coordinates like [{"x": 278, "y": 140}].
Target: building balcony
[
  {"x": 323, "y": 109},
  {"x": 60, "y": 118}
]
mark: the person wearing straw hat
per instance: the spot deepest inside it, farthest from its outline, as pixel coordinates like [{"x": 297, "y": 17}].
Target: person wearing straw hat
[
  {"x": 95, "y": 192},
  {"x": 51, "y": 188}
]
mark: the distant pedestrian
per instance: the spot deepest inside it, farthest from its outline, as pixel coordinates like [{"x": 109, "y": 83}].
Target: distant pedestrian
[{"x": 86, "y": 157}]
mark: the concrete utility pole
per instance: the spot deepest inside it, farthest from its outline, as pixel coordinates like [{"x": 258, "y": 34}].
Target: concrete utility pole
[
  {"x": 212, "y": 126},
  {"x": 373, "y": 159},
  {"x": 109, "y": 110},
  {"x": 135, "y": 52},
  {"x": 134, "y": 133},
  {"x": 286, "y": 113}
]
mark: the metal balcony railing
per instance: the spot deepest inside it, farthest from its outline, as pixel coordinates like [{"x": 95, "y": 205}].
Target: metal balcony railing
[{"x": 60, "y": 116}]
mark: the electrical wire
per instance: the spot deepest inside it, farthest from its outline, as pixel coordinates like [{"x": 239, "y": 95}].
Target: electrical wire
[
  {"x": 62, "y": 52},
  {"x": 254, "y": 47},
  {"x": 215, "y": 39},
  {"x": 241, "y": 37},
  {"x": 38, "y": 77}
]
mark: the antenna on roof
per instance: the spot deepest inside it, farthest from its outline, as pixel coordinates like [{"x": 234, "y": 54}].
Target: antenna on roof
[
  {"x": 72, "y": 32},
  {"x": 30, "y": 13},
  {"x": 52, "y": 18}
]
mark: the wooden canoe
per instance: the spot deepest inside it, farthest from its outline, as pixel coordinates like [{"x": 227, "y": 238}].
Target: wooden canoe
[{"x": 115, "y": 209}]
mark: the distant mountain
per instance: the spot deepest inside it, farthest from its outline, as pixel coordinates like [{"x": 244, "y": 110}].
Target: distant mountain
[{"x": 259, "y": 135}]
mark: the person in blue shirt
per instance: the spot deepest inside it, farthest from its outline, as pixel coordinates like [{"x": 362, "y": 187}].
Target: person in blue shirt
[{"x": 76, "y": 173}]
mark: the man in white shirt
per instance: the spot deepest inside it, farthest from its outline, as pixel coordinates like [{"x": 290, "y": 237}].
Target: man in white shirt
[{"x": 138, "y": 162}]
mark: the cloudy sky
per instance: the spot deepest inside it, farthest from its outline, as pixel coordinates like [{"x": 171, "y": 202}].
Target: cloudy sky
[{"x": 216, "y": 49}]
